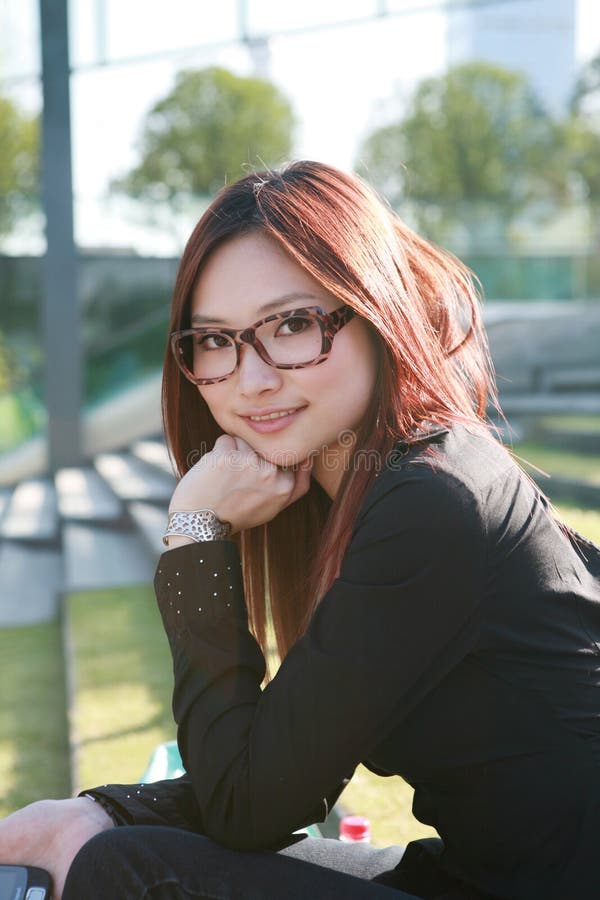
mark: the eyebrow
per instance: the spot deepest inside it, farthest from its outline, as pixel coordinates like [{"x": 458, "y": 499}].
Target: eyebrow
[{"x": 271, "y": 306}]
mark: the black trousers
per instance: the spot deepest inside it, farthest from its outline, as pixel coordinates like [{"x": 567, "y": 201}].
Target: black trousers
[{"x": 155, "y": 863}]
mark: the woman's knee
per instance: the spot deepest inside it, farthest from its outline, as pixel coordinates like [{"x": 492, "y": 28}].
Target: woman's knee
[{"x": 110, "y": 864}]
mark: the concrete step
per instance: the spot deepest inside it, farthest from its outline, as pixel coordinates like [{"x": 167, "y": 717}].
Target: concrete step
[
  {"x": 83, "y": 495},
  {"x": 4, "y": 499},
  {"x": 30, "y": 583},
  {"x": 132, "y": 479},
  {"x": 151, "y": 520},
  {"x": 538, "y": 405},
  {"x": 576, "y": 378},
  {"x": 31, "y": 514},
  {"x": 155, "y": 453},
  {"x": 131, "y": 416},
  {"x": 28, "y": 460},
  {"x": 97, "y": 556}
]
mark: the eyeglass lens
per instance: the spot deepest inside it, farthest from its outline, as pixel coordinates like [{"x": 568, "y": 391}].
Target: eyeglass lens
[{"x": 295, "y": 340}]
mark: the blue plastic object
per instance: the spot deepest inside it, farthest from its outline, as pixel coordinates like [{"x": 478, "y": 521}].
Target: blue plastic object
[{"x": 165, "y": 762}]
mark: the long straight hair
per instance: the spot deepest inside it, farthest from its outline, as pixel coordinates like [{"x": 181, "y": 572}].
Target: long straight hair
[{"x": 423, "y": 309}]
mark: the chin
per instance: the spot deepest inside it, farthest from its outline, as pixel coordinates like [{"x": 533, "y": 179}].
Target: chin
[
  {"x": 281, "y": 454},
  {"x": 284, "y": 458}
]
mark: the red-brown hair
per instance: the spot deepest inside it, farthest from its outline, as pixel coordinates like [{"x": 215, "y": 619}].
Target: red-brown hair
[{"x": 421, "y": 304}]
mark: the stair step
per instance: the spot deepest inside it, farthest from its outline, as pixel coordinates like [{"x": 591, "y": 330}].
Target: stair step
[
  {"x": 151, "y": 521},
  {"x": 549, "y": 404},
  {"x": 30, "y": 582},
  {"x": 31, "y": 514},
  {"x": 83, "y": 495},
  {"x": 132, "y": 479},
  {"x": 4, "y": 498},
  {"x": 100, "y": 557},
  {"x": 154, "y": 453}
]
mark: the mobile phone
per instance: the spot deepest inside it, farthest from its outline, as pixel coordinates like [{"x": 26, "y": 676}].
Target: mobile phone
[{"x": 24, "y": 883}]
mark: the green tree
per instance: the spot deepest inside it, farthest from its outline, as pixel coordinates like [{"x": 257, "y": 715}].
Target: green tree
[
  {"x": 202, "y": 133},
  {"x": 474, "y": 148},
  {"x": 587, "y": 86},
  {"x": 19, "y": 163},
  {"x": 581, "y": 131},
  {"x": 582, "y": 162}
]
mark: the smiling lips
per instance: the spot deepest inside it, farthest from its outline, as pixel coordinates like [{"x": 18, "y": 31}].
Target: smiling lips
[
  {"x": 272, "y": 420},
  {"x": 274, "y": 415}
]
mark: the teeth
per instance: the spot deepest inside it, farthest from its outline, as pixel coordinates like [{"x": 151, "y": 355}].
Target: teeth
[{"x": 275, "y": 415}]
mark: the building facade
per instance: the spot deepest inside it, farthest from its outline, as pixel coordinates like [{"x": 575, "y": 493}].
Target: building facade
[{"x": 535, "y": 37}]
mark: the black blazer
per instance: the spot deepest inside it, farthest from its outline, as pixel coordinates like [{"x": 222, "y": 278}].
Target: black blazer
[{"x": 459, "y": 648}]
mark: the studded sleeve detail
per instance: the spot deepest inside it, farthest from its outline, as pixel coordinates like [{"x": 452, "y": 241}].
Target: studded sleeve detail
[{"x": 197, "y": 584}]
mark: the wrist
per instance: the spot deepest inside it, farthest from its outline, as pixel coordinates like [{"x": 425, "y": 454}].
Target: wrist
[
  {"x": 95, "y": 811},
  {"x": 197, "y": 524}
]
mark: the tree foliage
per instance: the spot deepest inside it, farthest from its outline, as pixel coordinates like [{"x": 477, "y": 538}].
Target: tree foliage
[
  {"x": 581, "y": 138},
  {"x": 475, "y": 144},
  {"x": 587, "y": 86},
  {"x": 205, "y": 130},
  {"x": 581, "y": 143},
  {"x": 19, "y": 163}
]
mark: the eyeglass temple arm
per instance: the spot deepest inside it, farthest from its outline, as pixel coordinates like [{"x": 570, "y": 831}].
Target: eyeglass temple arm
[{"x": 341, "y": 316}]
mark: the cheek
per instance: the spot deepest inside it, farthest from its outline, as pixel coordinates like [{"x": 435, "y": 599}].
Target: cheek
[
  {"x": 353, "y": 381},
  {"x": 214, "y": 399},
  {"x": 344, "y": 397}
]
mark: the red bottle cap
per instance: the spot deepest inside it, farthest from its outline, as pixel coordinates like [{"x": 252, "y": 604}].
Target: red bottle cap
[{"x": 355, "y": 828}]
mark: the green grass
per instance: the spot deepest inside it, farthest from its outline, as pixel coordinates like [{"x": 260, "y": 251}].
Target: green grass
[
  {"x": 571, "y": 423},
  {"x": 559, "y": 462},
  {"x": 585, "y": 521},
  {"x": 12, "y": 428},
  {"x": 122, "y": 683},
  {"x": 21, "y": 418},
  {"x": 34, "y": 759},
  {"x": 387, "y": 803}
]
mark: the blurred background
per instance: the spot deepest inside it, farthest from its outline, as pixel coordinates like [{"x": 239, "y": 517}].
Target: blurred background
[{"x": 479, "y": 120}]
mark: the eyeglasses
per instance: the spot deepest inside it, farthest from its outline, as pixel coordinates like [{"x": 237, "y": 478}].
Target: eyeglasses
[{"x": 293, "y": 339}]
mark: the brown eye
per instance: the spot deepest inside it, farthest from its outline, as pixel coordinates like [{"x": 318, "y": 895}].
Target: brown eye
[
  {"x": 294, "y": 325},
  {"x": 216, "y": 341}
]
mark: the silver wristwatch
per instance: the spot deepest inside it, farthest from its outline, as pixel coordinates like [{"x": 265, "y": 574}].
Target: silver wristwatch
[{"x": 198, "y": 524}]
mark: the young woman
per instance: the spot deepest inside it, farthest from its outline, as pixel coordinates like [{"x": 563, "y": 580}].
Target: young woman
[{"x": 325, "y": 394}]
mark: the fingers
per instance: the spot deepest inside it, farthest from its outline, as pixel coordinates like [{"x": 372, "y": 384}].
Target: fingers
[
  {"x": 240, "y": 484},
  {"x": 243, "y": 446},
  {"x": 250, "y": 456},
  {"x": 230, "y": 443},
  {"x": 294, "y": 482},
  {"x": 225, "y": 443}
]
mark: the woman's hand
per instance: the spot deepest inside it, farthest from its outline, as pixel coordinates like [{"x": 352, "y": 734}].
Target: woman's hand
[
  {"x": 49, "y": 834},
  {"x": 239, "y": 485}
]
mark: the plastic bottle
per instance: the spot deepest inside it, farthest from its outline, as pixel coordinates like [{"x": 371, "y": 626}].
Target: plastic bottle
[{"x": 355, "y": 829}]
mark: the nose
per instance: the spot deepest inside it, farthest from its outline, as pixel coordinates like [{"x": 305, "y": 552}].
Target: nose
[{"x": 254, "y": 374}]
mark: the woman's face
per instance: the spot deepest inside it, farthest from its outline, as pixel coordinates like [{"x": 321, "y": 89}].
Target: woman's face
[{"x": 323, "y": 402}]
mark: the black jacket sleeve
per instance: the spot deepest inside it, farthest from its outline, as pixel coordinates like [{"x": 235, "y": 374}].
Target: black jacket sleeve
[
  {"x": 403, "y": 611},
  {"x": 170, "y": 802}
]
